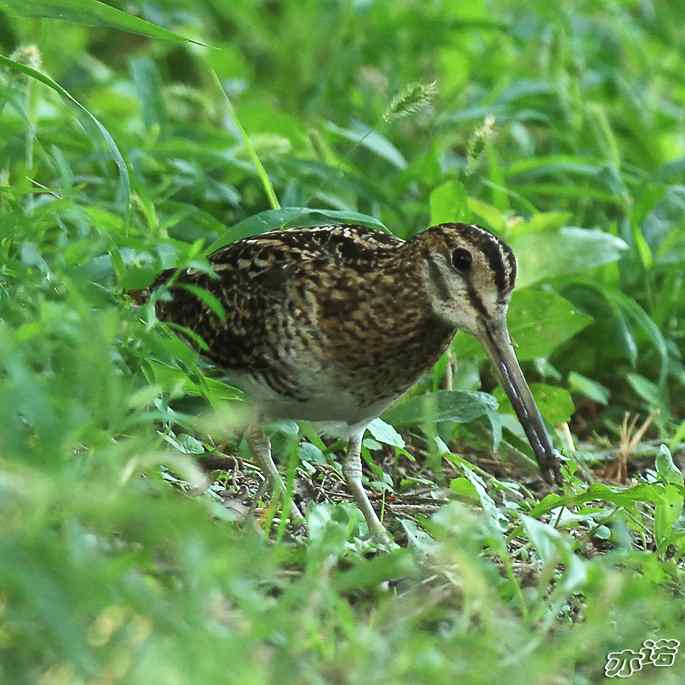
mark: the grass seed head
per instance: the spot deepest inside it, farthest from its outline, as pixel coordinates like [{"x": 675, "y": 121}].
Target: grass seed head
[{"x": 414, "y": 98}]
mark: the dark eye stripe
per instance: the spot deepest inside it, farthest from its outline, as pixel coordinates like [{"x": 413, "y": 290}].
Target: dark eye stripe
[
  {"x": 476, "y": 302},
  {"x": 495, "y": 252}
]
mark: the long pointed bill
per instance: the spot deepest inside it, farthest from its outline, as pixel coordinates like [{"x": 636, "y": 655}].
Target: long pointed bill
[{"x": 498, "y": 344}]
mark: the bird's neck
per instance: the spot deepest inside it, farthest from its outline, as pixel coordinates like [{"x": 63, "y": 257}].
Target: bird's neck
[{"x": 407, "y": 303}]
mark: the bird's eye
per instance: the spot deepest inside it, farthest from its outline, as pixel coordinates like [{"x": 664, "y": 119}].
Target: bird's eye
[{"x": 461, "y": 259}]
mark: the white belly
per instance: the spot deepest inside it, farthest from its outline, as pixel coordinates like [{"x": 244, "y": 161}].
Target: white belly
[{"x": 337, "y": 412}]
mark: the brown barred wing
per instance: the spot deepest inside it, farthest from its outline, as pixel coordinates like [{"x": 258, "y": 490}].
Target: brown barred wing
[{"x": 264, "y": 284}]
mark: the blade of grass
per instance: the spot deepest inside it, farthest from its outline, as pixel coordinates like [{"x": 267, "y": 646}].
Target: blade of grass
[
  {"x": 90, "y": 13},
  {"x": 249, "y": 146},
  {"x": 124, "y": 181}
]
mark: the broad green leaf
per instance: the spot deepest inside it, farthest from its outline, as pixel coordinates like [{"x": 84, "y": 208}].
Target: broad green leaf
[
  {"x": 606, "y": 493},
  {"x": 284, "y": 426},
  {"x": 334, "y": 180},
  {"x": 362, "y": 135},
  {"x": 491, "y": 215},
  {"x": 649, "y": 392},
  {"x": 539, "y": 321},
  {"x": 189, "y": 223},
  {"x": 369, "y": 573},
  {"x": 626, "y": 309},
  {"x": 148, "y": 84},
  {"x": 666, "y": 514},
  {"x": 548, "y": 541},
  {"x": 666, "y": 469},
  {"x": 310, "y": 452},
  {"x": 496, "y": 518},
  {"x": 541, "y": 166},
  {"x": 292, "y": 217},
  {"x": 569, "y": 250},
  {"x": 448, "y": 202},
  {"x": 90, "y": 121},
  {"x": 625, "y": 338},
  {"x": 384, "y": 432},
  {"x": 176, "y": 382},
  {"x": 189, "y": 444},
  {"x": 586, "y": 386},
  {"x": 540, "y": 222},
  {"x": 329, "y": 525},
  {"x": 584, "y": 191},
  {"x": 643, "y": 249},
  {"x": 417, "y": 539},
  {"x": 552, "y": 548},
  {"x": 645, "y": 323},
  {"x": 463, "y": 487},
  {"x": 678, "y": 436},
  {"x": 90, "y": 13},
  {"x": 443, "y": 405}
]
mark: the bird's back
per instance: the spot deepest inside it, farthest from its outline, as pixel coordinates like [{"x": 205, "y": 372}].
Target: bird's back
[{"x": 321, "y": 324}]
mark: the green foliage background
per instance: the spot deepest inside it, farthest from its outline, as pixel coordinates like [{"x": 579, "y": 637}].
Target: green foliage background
[{"x": 557, "y": 125}]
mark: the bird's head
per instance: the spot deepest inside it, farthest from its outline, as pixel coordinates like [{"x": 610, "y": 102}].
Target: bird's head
[{"x": 469, "y": 274}]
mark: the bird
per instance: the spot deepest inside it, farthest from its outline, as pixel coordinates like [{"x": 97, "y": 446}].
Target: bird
[{"x": 331, "y": 324}]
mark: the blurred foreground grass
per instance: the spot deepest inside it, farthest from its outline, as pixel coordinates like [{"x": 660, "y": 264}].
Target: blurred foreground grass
[{"x": 558, "y": 127}]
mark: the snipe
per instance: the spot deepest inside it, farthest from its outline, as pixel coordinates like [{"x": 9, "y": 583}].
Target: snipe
[{"x": 332, "y": 324}]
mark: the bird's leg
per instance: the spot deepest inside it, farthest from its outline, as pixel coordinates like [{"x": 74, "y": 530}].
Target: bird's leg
[
  {"x": 352, "y": 468},
  {"x": 261, "y": 447}
]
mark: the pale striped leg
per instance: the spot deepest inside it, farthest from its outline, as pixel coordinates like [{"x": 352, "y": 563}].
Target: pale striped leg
[
  {"x": 352, "y": 468},
  {"x": 261, "y": 447}
]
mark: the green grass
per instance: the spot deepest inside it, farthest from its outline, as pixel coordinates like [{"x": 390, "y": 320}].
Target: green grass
[{"x": 558, "y": 127}]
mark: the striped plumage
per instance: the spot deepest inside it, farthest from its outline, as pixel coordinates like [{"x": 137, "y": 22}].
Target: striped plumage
[{"x": 334, "y": 323}]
